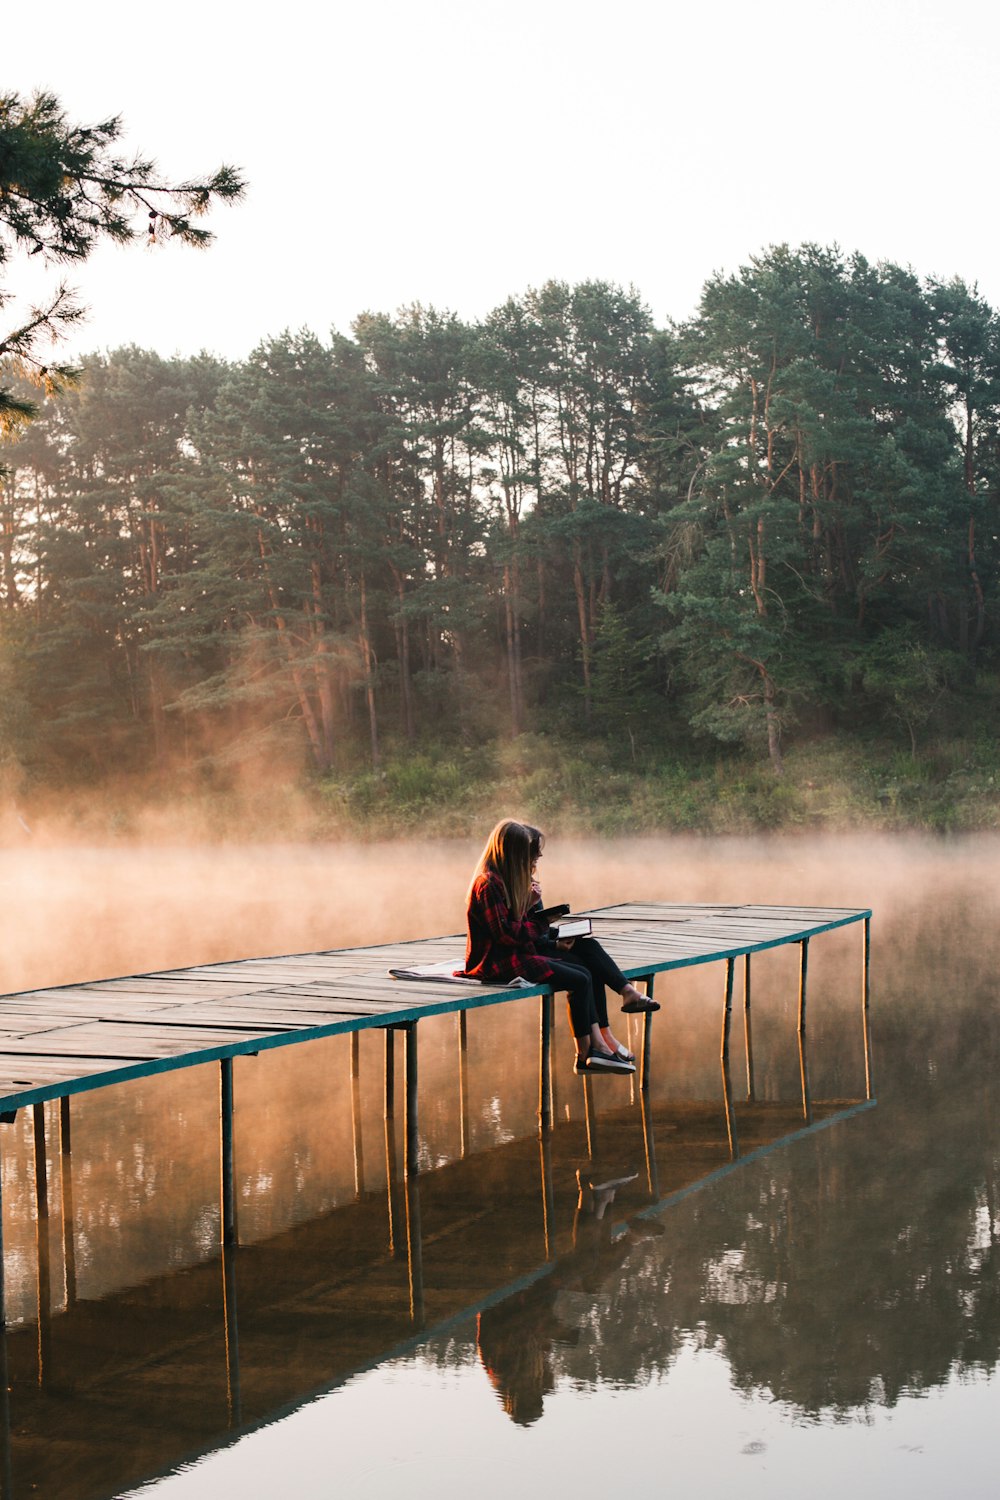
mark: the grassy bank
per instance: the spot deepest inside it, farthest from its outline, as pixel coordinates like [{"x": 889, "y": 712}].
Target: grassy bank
[{"x": 950, "y": 787}]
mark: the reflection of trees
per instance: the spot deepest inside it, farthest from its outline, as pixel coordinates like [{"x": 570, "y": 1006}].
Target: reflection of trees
[
  {"x": 869, "y": 1269},
  {"x": 851, "y": 1268}
]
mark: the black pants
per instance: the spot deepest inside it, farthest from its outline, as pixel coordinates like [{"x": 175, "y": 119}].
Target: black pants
[{"x": 583, "y": 971}]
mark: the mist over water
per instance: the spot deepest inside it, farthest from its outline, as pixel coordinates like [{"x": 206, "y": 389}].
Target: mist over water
[
  {"x": 823, "y": 1288},
  {"x": 76, "y": 911}
]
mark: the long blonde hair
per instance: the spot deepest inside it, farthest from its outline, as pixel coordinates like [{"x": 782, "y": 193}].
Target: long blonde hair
[{"x": 510, "y": 854}]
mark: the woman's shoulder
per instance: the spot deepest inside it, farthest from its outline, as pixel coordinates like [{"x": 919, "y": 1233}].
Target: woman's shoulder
[{"x": 486, "y": 880}]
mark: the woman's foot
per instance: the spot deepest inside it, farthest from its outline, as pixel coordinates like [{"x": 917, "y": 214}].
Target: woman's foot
[
  {"x": 597, "y": 1060},
  {"x": 634, "y": 1002},
  {"x": 617, "y": 1048}
]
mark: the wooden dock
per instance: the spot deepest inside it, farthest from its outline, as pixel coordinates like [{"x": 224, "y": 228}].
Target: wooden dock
[{"x": 58, "y": 1042}]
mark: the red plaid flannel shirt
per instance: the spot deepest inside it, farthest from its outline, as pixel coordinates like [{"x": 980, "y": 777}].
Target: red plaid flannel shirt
[{"x": 500, "y": 946}]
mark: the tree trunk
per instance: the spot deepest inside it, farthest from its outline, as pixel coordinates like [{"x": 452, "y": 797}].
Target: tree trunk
[
  {"x": 366, "y": 657},
  {"x": 403, "y": 657},
  {"x": 298, "y": 682},
  {"x": 157, "y": 713},
  {"x": 510, "y": 622},
  {"x": 773, "y": 726},
  {"x": 581, "y": 610}
]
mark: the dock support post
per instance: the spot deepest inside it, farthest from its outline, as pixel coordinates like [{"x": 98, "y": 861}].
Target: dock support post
[
  {"x": 43, "y": 1281},
  {"x": 410, "y": 1072},
  {"x": 229, "y": 1226},
  {"x": 414, "y": 1249},
  {"x": 414, "y": 1242},
  {"x": 649, "y": 1145},
  {"x": 727, "y": 1097},
  {"x": 390, "y": 1073},
  {"x": 3, "y": 1282},
  {"x": 865, "y": 1003},
  {"x": 463, "y": 1081},
  {"x": 727, "y": 1087},
  {"x": 233, "y": 1397},
  {"x": 647, "y": 1036},
  {"x": 803, "y": 1065},
  {"x": 548, "y": 1192},
  {"x": 590, "y": 1117},
  {"x": 727, "y": 1007},
  {"x": 545, "y": 1063},
  {"x": 389, "y": 1115},
  {"x": 6, "y": 1472},
  {"x": 66, "y": 1189},
  {"x": 804, "y": 1071},
  {"x": 411, "y": 1185},
  {"x": 747, "y": 1031},
  {"x": 359, "y": 1150},
  {"x": 5, "y": 1459}
]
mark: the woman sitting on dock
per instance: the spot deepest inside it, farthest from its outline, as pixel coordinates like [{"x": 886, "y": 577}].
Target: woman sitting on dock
[{"x": 510, "y": 938}]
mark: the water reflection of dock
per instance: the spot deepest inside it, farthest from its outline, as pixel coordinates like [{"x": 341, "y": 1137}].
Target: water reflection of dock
[{"x": 186, "y": 1362}]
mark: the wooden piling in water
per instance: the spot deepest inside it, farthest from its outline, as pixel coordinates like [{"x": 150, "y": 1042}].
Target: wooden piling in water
[
  {"x": 649, "y": 1146},
  {"x": 548, "y": 1191},
  {"x": 748, "y": 1031},
  {"x": 234, "y": 1403},
  {"x": 547, "y": 1007},
  {"x": 411, "y": 1155},
  {"x": 228, "y": 1181},
  {"x": 647, "y": 1036},
  {"x": 43, "y": 1279},
  {"x": 866, "y": 954},
  {"x": 727, "y": 1007},
  {"x": 590, "y": 1117},
  {"x": 804, "y": 1074},
  {"x": 414, "y": 1249},
  {"x": 463, "y": 1082},
  {"x": 66, "y": 1200},
  {"x": 389, "y": 1116},
  {"x": 3, "y": 1278},
  {"x": 356, "y": 1133}
]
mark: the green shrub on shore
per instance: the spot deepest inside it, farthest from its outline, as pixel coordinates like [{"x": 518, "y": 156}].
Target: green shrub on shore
[{"x": 581, "y": 788}]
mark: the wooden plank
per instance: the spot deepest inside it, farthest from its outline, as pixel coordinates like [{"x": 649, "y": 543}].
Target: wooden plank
[
  {"x": 100, "y": 1040},
  {"x": 288, "y": 1018},
  {"x": 170, "y": 992},
  {"x": 37, "y": 1070},
  {"x": 72, "y": 1003}
]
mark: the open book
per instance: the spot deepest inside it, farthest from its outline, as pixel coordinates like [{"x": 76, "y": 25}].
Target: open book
[{"x": 573, "y": 927}]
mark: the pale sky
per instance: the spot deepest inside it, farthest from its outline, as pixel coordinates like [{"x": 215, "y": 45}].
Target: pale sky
[{"x": 457, "y": 153}]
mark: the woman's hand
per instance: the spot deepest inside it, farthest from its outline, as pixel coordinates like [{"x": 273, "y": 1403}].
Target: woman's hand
[
  {"x": 565, "y": 942},
  {"x": 536, "y": 893}
]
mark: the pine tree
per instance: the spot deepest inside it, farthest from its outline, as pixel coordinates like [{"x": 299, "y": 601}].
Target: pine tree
[{"x": 64, "y": 187}]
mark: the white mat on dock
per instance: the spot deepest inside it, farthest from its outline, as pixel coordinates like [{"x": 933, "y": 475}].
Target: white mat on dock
[{"x": 446, "y": 972}]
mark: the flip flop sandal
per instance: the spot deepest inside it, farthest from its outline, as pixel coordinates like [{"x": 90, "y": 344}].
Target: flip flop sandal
[{"x": 640, "y": 1006}]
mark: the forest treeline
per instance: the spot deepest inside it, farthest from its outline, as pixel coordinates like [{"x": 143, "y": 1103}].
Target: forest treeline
[{"x": 778, "y": 518}]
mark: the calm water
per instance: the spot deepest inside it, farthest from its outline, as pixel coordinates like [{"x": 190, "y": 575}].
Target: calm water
[{"x": 822, "y": 1312}]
